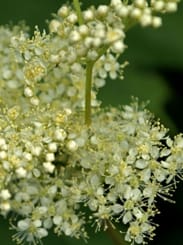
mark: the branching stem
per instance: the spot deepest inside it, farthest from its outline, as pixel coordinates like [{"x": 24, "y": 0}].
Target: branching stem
[
  {"x": 115, "y": 235},
  {"x": 89, "y": 68},
  {"x": 88, "y": 87},
  {"x": 78, "y": 11}
]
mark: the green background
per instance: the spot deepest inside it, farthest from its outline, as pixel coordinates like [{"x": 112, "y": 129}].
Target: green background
[{"x": 155, "y": 73}]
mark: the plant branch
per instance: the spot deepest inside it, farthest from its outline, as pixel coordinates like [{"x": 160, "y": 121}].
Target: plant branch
[
  {"x": 88, "y": 87},
  {"x": 114, "y": 234},
  {"x": 78, "y": 11}
]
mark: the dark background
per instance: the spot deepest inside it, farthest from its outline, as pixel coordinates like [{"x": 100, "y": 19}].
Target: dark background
[{"x": 155, "y": 73}]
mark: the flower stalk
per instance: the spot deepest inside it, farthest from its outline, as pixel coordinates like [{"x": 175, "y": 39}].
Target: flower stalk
[
  {"x": 114, "y": 234},
  {"x": 78, "y": 11},
  {"x": 88, "y": 87}
]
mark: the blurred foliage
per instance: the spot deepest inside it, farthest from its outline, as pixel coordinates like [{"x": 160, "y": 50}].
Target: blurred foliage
[{"x": 154, "y": 74}]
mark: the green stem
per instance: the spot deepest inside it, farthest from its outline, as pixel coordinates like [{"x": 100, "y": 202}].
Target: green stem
[
  {"x": 78, "y": 11},
  {"x": 89, "y": 68},
  {"x": 114, "y": 234},
  {"x": 88, "y": 87}
]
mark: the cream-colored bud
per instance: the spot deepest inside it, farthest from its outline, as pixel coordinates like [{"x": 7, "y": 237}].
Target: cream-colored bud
[
  {"x": 28, "y": 156},
  {"x": 72, "y": 145},
  {"x": 54, "y": 58},
  {"x": 88, "y": 42},
  {"x": 3, "y": 155},
  {"x": 49, "y": 167},
  {"x": 102, "y": 10},
  {"x": 171, "y": 7},
  {"x": 88, "y": 15},
  {"x": 118, "y": 47},
  {"x": 52, "y": 146},
  {"x": 21, "y": 172},
  {"x": 6, "y": 73},
  {"x": 72, "y": 18},
  {"x": 63, "y": 11},
  {"x": 94, "y": 140},
  {"x": 50, "y": 157},
  {"x": 36, "y": 150},
  {"x": 115, "y": 2},
  {"x": 146, "y": 20},
  {"x": 5, "y": 194},
  {"x": 2, "y": 142},
  {"x": 123, "y": 11},
  {"x": 136, "y": 13},
  {"x": 54, "y": 25},
  {"x": 159, "y": 5},
  {"x": 76, "y": 68},
  {"x": 28, "y": 92},
  {"x": 92, "y": 55},
  {"x": 140, "y": 3},
  {"x": 83, "y": 30},
  {"x": 114, "y": 34},
  {"x": 74, "y": 36},
  {"x": 68, "y": 111},
  {"x": 156, "y": 22},
  {"x": 96, "y": 42},
  {"x": 100, "y": 32},
  {"x": 34, "y": 101},
  {"x": 60, "y": 134},
  {"x": 5, "y": 206}
]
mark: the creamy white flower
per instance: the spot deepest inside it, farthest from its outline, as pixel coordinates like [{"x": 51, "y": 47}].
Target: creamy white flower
[{"x": 49, "y": 167}]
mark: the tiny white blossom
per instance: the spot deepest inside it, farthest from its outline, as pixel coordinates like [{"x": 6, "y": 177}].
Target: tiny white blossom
[
  {"x": 49, "y": 167},
  {"x": 72, "y": 145},
  {"x": 54, "y": 25},
  {"x": 28, "y": 92},
  {"x": 63, "y": 11},
  {"x": 83, "y": 30},
  {"x": 171, "y": 6},
  {"x": 159, "y": 5},
  {"x": 23, "y": 224},
  {"x": 52, "y": 146},
  {"x": 21, "y": 172},
  {"x": 118, "y": 47},
  {"x": 102, "y": 10},
  {"x": 34, "y": 101},
  {"x": 5, "y": 194},
  {"x": 88, "y": 15},
  {"x": 50, "y": 157},
  {"x": 2, "y": 142},
  {"x": 136, "y": 13},
  {"x": 75, "y": 36},
  {"x": 36, "y": 150},
  {"x": 5, "y": 207},
  {"x": 3, "y": 155},
  {"x": 115, "y": 2},
  {"x": 72, "y": 18},
  {"x": 156, "y": 22},
  {"x": 60, "y": 134}
]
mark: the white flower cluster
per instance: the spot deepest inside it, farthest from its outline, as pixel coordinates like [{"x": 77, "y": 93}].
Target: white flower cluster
[
  {"x": 143, "y": 11},
  {"x": 62, "y": 55},
  {"x": 53, "y": 166},
  {"x": 11, "y": 73}
]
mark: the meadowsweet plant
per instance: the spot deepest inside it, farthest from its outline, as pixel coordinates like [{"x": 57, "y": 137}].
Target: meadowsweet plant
[{"x": 65, "y": 161}]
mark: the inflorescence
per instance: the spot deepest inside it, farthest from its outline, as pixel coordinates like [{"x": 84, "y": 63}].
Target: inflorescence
[{"x": 58, "y": 171}]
